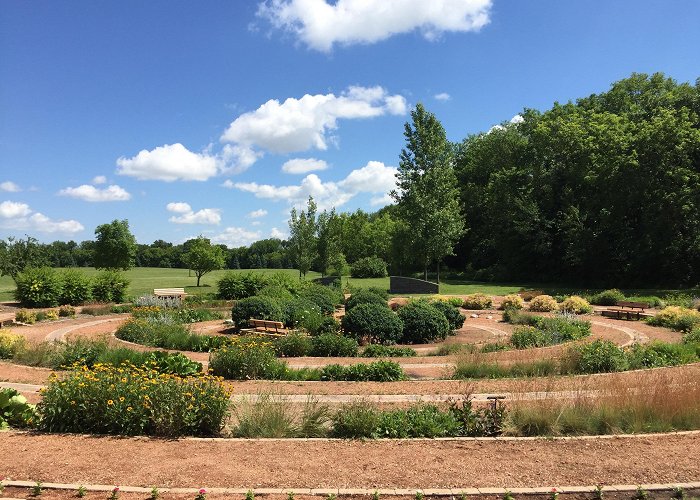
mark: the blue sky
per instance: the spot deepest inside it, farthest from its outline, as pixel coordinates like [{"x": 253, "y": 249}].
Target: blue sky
[{"x": 215, "y": 117}]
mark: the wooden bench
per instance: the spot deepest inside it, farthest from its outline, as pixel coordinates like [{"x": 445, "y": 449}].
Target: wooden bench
[
  {"x": 274, "y": 328},
  {"x": 170, "y": 293},
  {"x": 627, "y": 310}
]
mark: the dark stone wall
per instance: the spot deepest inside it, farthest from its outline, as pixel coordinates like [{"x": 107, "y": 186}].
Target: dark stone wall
[
  {"x": 401, "y": 284},
  {"x": 327, "y": 280}
]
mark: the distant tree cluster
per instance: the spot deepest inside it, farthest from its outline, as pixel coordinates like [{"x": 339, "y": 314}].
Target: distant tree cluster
[{"x": 601, "y": 191}]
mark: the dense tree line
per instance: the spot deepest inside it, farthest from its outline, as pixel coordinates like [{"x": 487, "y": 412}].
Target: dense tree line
[{"x": 601, "y": 191}]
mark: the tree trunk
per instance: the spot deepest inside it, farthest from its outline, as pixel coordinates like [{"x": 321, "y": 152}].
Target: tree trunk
[
  {"x": 198, "y": 278},
  {"x": 438, "y": 272}
]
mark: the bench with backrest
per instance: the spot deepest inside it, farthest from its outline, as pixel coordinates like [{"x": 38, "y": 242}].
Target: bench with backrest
[
  {"x": 170, "y": 293},
  {"x": 265, "y": 326},
  {"x": 625, "y": 309}
]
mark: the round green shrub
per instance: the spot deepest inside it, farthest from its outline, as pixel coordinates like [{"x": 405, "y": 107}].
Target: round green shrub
[
  {"x": 423, "y": 323},
  {"x": 325, "y": 297},
  {"x": 257, "y": 308},
  {"x": 608, "y": 297},
  {"x": 38, "y": 287},
  {"x": 275, "y": 292},
  {"x": 333, "y": 345},
  {"x": 328, "y": 325},
  {"x": 301, "y": 313},
  {"x": 77, "y": 288},
  {"x": 374, "y": 322},
  {"x": 477, "y": 301},
  {"x": 365, "y": 296},
  {"x": 452, "y": 314},
  {"x": 235, "y": 286},
  {"x": 600, "y": 356},
  {"x": 528, "y": 336},
  {"x": 110, "y": 286},
  {"x": 368, "y": 267}
]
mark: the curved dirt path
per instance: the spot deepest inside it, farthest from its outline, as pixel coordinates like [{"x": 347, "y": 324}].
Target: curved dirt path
[{"x": 423, "y": 464}]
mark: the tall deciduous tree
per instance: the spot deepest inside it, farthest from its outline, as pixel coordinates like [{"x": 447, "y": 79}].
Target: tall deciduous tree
[
  {"x": 203, "y": 257},
  {"x": 427, "y": 195},
  {"x": 18, "y": 254},
  {"x": 303, "y": 227},
  {"x": 115, "y": 246}
]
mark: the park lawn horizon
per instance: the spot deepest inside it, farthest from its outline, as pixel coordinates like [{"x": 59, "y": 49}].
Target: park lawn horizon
[{"x": 144, "y": 279}]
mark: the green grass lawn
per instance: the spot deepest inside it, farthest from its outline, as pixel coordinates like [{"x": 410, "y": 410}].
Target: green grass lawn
[{"x": 145, "y": 279}]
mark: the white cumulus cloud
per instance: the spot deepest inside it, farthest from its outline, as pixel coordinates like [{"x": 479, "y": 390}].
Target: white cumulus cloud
[
  {"x": 91, "y": 193},
  {"x": 169, "y": 163},
  {"x": 19, "y": 216},
  {"x": 189, "y": 216},
  {"x": 10, "y": 187},
  {"x": 276, "y": 233},
  {"x": 375, "y": 178},
  {"x": 320, "y": 24},
  {"x": 255, "y": 214},
  {"x": 442, "y": 96},
  {"x": 236, "y": 237},
  {"x": 305, "y": 123},
  {"x": 303, "y": 165},
  {"x": 99, "y": 179}
]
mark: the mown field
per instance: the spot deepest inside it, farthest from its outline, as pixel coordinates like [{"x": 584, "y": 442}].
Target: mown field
[{"x": 145, "y": 279}]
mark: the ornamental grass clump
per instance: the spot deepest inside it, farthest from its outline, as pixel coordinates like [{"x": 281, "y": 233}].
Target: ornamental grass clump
[
  {"x": 575, "y": 304},
  {"x": 245, "y": 358},
  {"x": 130, "y": 400},
  {"x": 676, "y": 318}
]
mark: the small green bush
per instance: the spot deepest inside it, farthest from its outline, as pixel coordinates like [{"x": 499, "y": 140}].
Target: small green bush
[
  {"x": 247, "y": 358},
  {"x": 365, "y": 296},
  {"x": 420, "y": 420},
  {"x": 110, "y": 286},
  {"x": 600, "y": 356},
  {"x": 512, "y": 302},
  {"x": 15, "y": 411},
  {"x": 692, "y": 337},
  {"x": 677, "y": 318},
  {"x": 477, "y": 301},
  {"x": 127, "y": 400},
  {"x": 378, "y": 371},
  {"x": 608, "y": 297},
  {"x": 10, "y": 344},
  {"x": 657, "y": 354},
  {"x": 333, "y": 345},
  {"x": 66, "y": 311},
  {"x": 387, "y": 351},
  {"x": 167, "y": 334},
  {"x": 38, "y": 287},
  {"x": 301, "y": 313},
  {"x": 236, "y": 286},
  {"x": 422, "y": 323},
  {"x": 451, "y": 313},
  {"x": 293, "y": 345},
  {"x": 368, "y": 267},
  {"x": 374, "y": 322},
  {"x": 355, "y": 420},
  {"x": 257, "y": 308},
  {"x": 76, "y": 289},
  {"x": 528, "y": 336},
  {"x": 325, "y": 297},
  {"x": 328, "y": 325}
]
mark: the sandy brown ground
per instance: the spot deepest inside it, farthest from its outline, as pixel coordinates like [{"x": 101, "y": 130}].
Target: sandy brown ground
[{"x": 347, "y": 464}]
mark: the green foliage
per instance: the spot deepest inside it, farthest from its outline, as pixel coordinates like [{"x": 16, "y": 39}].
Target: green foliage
[
  {"x": 293, "y": 345},
  {"x": 600, "y": 356},
  {"x": 451, "y": 313},
  {"x": 247, "y": 358},
  {"x": 110, "y": 286},
  {"x": 272, "y": 417},
  {"x": 26, "y": 316},
  {"x": 302, "y": 236},
  {"x": 575, "y": 304},
  {"x": 365, "y": 296},
  {"x": 202, "y": 257},
  {"x": 355, "y": 420},
  {"x": 656, "y": 354},
  {"x": 545, "y": 331},
  {"x": 477, "y": 301},
  {"x": 512, "y": 302},
  {"x": 421, "y": 420},
  {"x": 14, "y": 410},
  {"x": 387, "y": 351},
  {"x": 333, "y": 345},
  {"x": 422, "y": 323},
  {"x": 374, "y": 322},
  {"x": 10, "y": 343},
  {"x": 543, "y": 303},
  {"x": 528, "y": 336},
  {"x": 301, "y": 313},
  {"x": 377, "y": 371},
  {"x": 257, "y": 308},
  {"x": 76, "y": 287},
  {"x": 368, "y": 267},
  {"x": 38, "y": 287},
  {"x": 325, "y": 297},
  {"x": 692, "y": 337},
  {"x": 115, "y": 246},
  {"x": 127, "y": 400},
  {"x": 608, "y": 297},
  {"x": 676, "y": 318},
  {"x": 235, "y": 286},
  {"x": 16, "y": 255},
  {"x": 166, "y": 334}
]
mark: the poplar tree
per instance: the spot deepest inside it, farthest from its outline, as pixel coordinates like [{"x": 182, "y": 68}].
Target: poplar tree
[{"x": 303, "y": 227}]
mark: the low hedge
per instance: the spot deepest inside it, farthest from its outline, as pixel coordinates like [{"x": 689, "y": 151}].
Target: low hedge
[
  {"x": 368, "y": 267},
  {"x": 378, "y": 371},
  {"x": 451, "y": 313},
  {"x": 374, "y": 322},
  {"x": 365, "y": 296}
]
